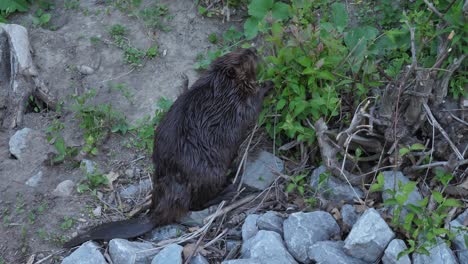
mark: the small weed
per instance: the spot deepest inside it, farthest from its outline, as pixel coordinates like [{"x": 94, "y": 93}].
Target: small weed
[
  {"x": 153, "y": 16},
  {"x": 124, "y": 90},
  {"x": 132, "y": 55},
  {"x": 67, "y": 223},
  {"x": 93, "y": 181},
  {"x": 143, "y": 131},
  {"x": 72, "y": 4},
  {"x": 20, "y": 204},
  {"x": 97, "y": 121},
  {"x": 213, "y": 38},
  {"x": 41, "y": 18},
  {"x": 94, "y": 40}
]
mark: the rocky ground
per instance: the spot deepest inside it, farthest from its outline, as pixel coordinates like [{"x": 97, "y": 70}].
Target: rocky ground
[{"x": 43, "y": 203}]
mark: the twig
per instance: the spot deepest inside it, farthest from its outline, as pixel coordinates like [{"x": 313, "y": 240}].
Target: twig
[
  {"x": 414, "y": 62},
  {"x": 49, "y": 256},
  {"x": 244, "y": 158},
  {"x": 434, "y": 9},
  {"x": 231, "y": 207},
  {"x": 442, "y": 131},
  {"x": 437, "y": 164}
]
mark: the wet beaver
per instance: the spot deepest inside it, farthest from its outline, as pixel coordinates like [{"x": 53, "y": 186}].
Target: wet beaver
[{"x": 195, "y": 144}]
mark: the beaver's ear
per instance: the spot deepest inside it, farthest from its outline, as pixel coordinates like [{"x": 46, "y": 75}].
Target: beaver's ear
[{"x": 231, "y": 72}]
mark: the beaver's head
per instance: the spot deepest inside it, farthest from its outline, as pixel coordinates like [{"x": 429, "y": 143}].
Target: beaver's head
[{"x": 240, "y": 65}]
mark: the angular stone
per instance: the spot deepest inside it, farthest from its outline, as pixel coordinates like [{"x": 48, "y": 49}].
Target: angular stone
[
  {"x": 459, "y": 240},
  {"x": 134, "y": 190},
  {"x": 34, "y": 180},
  {"x": 259, "y": 173},
  {"x": 30, "y": 146},
  {"x": 170, "y": 254},
  {"x": 165, "y": 232},
  {"x": 349, "y": 215},
  {"x": 332, "y": 188},
  {"x": 249, "y": 228},
  {"x": 302, "y": 230},
  {"x": 440, "y": 253},
  {"x": 331, "y": 252},
  {"x": 391, "y": 253},
  {"x": 390, "y": 184},
  {"x": 266, "y": 245},
  {"x": 271, "y": 221},
  {"x": 199, "y": 259},
  {"x": 64, "y": 188},
  {"x": 369, "y": 237},
  {"x": 123, "y": 251},
  {"x": 89, "y": 251},
  {"x": 195, "y": 218}
]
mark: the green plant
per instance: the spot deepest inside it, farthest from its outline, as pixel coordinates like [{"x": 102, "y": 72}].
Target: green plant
[
  {"x": 97, "y": 121},
  {"x": 420, "y": 225},
  {"x": 124, "y": 90},
  {"x": 143, "y": 132},
  {"x": 92, "y": 182},
  {"x": 132, "y": 55},
  {"x": 54, "y": 136},
  {"x": 41, "y": 18},
  {"x": 71, "y": 4},
  {"x": 213, "y": 38},
  {"x": 8, "y": 7},
  {"x": 152, "y": 16},
  {"x": 67, "y": 223},
  {"x": 231, "y": 39}
]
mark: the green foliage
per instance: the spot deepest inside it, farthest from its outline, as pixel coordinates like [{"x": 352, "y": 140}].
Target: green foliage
[
  {"x": 93, "y": 181},
  {"x": 132, "y": 55},
  {"x": 143, "y": 132},
  {"x": 379, "y": 185},
  {"x": 97, "y": 121},
  {"x": 153, "y": 16},
  {"x": 41, "y": 18},
  {"x": 417, "y": 146},
  {"x": 231, "y": 39},
  {"x": 420, "y": 225},
  {"x": 298, "y": 182},
  {"x": 67, "y": 223},
  {"x": 8, "y": 7}
]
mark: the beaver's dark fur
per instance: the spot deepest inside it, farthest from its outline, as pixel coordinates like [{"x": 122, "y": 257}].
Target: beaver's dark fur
[{"x": 195, "y": 144}]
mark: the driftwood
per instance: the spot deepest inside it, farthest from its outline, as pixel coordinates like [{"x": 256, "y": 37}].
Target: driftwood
[{"x": 18, "y": 76}]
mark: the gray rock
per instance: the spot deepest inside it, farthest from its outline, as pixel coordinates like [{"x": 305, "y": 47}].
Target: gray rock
[
  {"x": 34, "y": 180},
  {"x": 302, "y": 230},
  {"x": 390, "y": 184},
  {"x": 266, "y": 245},
  {"x": 271, "y": 221},
  {"x": 64, "y": 188},
  {"x": 391, "y": 253},
  {"x": 89, "y": 251},
  {"x": 88, "y": 166},
  {"x": 97, "y": 211},
  {"x": 331, "y": 252},
  {"x": 130, "y": 173},
  {"x": 249, "y": 228},
  {"x": 195, "y": 218},
  {"x": 440, "y": 253},
  {"x": 233, "y": 244},
  {"x": 256, "y": 261},
  {"x": 349, "y": 215},
  {"x": 459, "y": 240},
  {"x": 30, "y": 146},
  {"x": 86, "y": 70},
  {"x": 259, "y": 172},
  {"x": 134, "y": 190},
  {"x": 165, "y": 232},
  {"x": 170, "y": 254},
  {"x": 199, "y": 259},
  {"x": 333, "y": 188},
  {"x": 124, "y": 252},
  {"x": 369, "y": 237}
]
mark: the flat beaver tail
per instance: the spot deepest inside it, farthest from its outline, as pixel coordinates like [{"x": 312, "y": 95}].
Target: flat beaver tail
[{"x": 121, "y": 229}]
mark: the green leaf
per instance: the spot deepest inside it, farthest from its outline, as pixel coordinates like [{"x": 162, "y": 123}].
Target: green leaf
[
  {"x": 437, "y": 197},
  {"x": 404, "y": 151},
  {"x": 418, "y": 146},
  {"x": 290, "y": 187},
  {"x": 259, "y": 8},
  {"x": 452, "y": 203},
  {"x": 339, "y": 16},
  {"x": 251, "y": 28},
  {"x": 390, "y": 202},
  {"x": 280, "y": 11},
  {"x": 281, "y": 103},
  {"x": 10, "y": 6}
]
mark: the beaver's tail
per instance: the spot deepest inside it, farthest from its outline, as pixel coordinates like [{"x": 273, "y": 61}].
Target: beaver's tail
[{"x": 121, "y": 229}]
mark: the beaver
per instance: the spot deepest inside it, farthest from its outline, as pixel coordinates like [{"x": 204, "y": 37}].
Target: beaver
[{"x": 195, "y": 144}]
